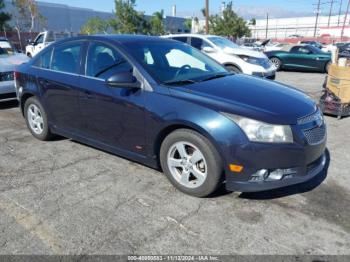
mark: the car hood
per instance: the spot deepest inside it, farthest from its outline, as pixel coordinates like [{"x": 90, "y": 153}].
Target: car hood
[
  {"x": 9, "y": 62},
  {"x": 243, "y": 51},
  {"x": 252, "y": 97}
]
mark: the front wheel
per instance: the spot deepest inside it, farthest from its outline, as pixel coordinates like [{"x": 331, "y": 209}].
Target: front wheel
[
  {"x": 36, "y": 119},
  {"x": 233, "y": 69},
  {"x": 277, "y": 63},
  {"x": 191, "y": 163}
]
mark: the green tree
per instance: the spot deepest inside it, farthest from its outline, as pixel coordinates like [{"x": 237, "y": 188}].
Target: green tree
[
  {"x": 95, "y": 25},
  {"x": 27, "y": 15},
  {"x": 157, "y": 23},
  {"x": 4, "y": 17},
  {"x": 229, "y": 24},
  {"x": 252, "y": 21},
  {"x": 128, "y": 20},
  {"x": 188, "y": 24}
]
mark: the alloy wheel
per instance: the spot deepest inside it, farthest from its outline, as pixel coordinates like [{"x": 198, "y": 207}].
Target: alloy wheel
[
  {"x": 187, "y": 164},
  {"x": 276, "y": 62},
  {"x": 35, "y": 119}
]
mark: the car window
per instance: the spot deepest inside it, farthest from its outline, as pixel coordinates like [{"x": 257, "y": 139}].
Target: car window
[
  {"x": 66, "y": 58},
  {"x": 199, "y": 43},
  {"x": 300, "y": 50},
  {"x": 40, "y": 39},
  {"x": 177, "y": 58},
  {"x": 172, "y": 61},
  {"x": 104, "y": 61},
  {"x": 303, "y": 50},
  {"x": 181, "y": 39},
  {"x": 44, "y": 60}
]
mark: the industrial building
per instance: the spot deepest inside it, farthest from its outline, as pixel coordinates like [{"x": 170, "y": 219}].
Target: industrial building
[
  {"x": 64, "y": 18},
  {"x": 303, "y": 26}
]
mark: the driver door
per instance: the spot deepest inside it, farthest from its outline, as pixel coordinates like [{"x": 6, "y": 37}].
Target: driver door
[
  {"x": 113, "y": 117},
  {"x": 39, "y": 43},
  {"x": 302, "y": 58}
]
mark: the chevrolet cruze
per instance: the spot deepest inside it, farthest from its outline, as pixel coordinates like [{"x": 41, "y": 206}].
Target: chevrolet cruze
[{"x": 166, "y": 105}]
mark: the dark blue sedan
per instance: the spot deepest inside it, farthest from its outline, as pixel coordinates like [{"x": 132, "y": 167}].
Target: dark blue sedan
[{"x": 165, "y": 104}]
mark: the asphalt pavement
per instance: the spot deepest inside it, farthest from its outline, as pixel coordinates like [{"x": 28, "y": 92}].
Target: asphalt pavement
[{"x": 63, "y": 197}]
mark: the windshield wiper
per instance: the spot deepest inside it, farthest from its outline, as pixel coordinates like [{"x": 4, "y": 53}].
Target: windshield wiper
[
  {"x": 216, "y": 76},
  {"x": 179, "y": 82}
]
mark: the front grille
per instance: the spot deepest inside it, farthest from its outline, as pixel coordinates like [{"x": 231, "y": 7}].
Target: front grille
[
  {"x": 313, "y": 127},
  {"x": 6, "y": 76},
  {"x": 315, "y": 135}
]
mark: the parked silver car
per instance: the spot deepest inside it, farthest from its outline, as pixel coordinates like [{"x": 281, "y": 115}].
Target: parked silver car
[{"x": 9, "y": 59}]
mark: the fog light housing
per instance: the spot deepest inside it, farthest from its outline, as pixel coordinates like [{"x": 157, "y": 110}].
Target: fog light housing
[
  {"x": 261, "y": 175},
  {"x": 272, "y": 175}
]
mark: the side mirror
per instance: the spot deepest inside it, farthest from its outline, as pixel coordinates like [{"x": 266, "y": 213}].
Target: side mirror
[
  {"x": 208, "y": 49},
  {"x": 123, "y": 80}
]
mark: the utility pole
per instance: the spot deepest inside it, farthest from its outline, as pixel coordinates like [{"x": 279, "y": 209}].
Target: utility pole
[
  {"x": 318, "y": 10},
  {"x": 207, "y": 17},
  {"x": 267, "y": 25},
  {"x": 345, "y": 18},
  {"x": 330, "y": 12},
  {"x": 340, "y": 9}
]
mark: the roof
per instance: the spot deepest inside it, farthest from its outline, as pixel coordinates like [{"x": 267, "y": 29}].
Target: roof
[
  {"x": 122, "y": 39},
  {"x": 190, "y": 35}
]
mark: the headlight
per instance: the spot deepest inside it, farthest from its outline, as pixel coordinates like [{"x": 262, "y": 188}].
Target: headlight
[
  {"x": 250, "y": 59},
  {"x": 262, "y": 132}
]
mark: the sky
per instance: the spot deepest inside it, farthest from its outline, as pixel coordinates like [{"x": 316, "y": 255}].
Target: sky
[{"x": 187, "y": 8}]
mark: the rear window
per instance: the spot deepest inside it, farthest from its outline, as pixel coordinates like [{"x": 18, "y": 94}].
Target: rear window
[
  {"x": 181, "y": 39},
  {"x": 66, "y": 58}
]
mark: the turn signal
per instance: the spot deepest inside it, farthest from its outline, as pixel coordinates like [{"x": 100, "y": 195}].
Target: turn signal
[{"x": 236, "y": 168}]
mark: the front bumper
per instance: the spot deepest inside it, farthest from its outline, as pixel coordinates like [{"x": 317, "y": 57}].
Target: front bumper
[
  {"x": 268, "y": 75},
  {"x": 303, "y": 174},
  {"x": 271, "y": 166}
]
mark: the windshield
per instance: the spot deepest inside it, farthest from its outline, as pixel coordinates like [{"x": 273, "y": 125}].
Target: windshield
[
  {"x": 6, "y": 48},
  {"x": 175, "y": 62},
  {"x": 223, "y": 42}
]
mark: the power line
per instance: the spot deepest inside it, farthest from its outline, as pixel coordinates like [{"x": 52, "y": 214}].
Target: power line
[
  {"x": 340, "y": 9},
  {"x": 345, "y": 18},
  {"x": 318, "y": 10},
  {"x": 330, "y": 12}
]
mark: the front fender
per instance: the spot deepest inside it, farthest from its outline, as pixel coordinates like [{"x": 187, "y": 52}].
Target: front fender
[{"x": 222, "y": 132}]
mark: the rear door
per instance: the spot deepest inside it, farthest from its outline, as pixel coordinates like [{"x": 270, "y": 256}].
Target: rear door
[{"x": 59, "y": 81}]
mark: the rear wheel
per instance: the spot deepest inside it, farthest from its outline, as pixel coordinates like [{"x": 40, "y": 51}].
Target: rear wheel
[
  {"x": 277, "y": 63},
  {"x": 233, "y": 69},
  {"x": 191, "y": 163},
  {"x": 29, "y": 55},
  {"x": 36, "y": 119}
]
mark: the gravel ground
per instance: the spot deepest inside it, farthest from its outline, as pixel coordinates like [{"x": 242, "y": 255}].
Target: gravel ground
[{"x": 63, "y": 197}]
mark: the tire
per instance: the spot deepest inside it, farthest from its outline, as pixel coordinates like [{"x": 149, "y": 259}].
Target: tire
[
  {"x": 29, "y": 55},
  {"x": 185, "y": 176},
  {"x": 277, "y": 62},
  {"x": 36, "y": 119},
  {"x": 233, "y": 69},
  {"x": 327, "y": 66}
]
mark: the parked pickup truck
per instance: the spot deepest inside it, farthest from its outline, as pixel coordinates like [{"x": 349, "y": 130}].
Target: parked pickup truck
[{"x": 42, "y": 40}]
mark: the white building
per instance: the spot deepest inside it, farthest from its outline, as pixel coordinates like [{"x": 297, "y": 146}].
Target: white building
[{"x": 304, "y": 26}]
